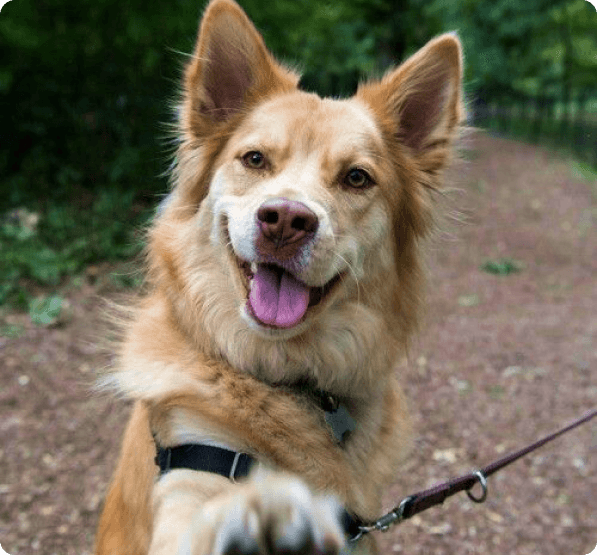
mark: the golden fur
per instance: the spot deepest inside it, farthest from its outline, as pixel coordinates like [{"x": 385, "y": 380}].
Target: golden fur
[{"x": 201, "y": 367}]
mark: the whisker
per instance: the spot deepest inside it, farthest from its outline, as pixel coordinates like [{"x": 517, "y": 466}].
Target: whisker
[{"x": 352, "y": 271}]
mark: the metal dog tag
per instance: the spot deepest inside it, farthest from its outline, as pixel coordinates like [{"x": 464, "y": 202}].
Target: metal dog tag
[{"x": 341, "y": 423}]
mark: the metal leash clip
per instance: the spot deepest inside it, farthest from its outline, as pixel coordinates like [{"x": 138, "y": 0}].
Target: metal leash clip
[
  {"x": 383, "y": 524},
  {"x": 483, "y": 481}
]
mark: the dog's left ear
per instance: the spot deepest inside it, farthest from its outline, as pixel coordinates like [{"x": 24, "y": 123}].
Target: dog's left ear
[{"x": 420, "y": 103}]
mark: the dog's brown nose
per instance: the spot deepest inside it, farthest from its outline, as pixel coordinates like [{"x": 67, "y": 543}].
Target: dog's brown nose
[{"x": 285, "y": 225}]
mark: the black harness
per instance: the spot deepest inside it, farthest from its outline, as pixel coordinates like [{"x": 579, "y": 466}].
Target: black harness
[{"x": 235, "y": 465}]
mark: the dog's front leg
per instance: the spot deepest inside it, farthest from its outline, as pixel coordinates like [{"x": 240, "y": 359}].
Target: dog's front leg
[{"x": 270, "y": 514}]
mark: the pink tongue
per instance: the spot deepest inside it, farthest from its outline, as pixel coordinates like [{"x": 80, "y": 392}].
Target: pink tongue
[{"x": 277, "y": 298}]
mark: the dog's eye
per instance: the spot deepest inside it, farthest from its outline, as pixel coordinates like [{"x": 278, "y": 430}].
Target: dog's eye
[
  {"x": 254, "y": 160},
  {"x": 358, "y": 179}
]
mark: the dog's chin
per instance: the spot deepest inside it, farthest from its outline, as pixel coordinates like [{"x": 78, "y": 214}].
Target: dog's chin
[{"x": 317, "y": 299}]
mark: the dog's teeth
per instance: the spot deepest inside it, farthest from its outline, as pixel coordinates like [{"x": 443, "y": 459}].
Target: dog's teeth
[{"x": 254, "y": 267}]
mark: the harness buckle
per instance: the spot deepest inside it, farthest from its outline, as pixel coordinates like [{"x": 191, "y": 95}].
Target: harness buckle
[{"x": 232, "y": 476}]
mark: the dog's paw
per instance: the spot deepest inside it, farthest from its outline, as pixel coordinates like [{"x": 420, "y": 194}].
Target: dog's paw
[{"x": 278, "y": 516}]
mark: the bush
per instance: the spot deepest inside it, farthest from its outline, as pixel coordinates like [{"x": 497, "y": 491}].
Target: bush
[
  {"x": 84, "y": 87},
  {"x": 44, "y": 249}
]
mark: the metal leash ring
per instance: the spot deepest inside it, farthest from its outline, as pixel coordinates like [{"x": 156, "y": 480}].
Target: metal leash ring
[{"x": 483, "y": 481}]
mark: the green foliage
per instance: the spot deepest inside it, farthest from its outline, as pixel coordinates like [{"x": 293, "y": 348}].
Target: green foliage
[
  {"x": 11, "y": 331},
  {"x": 43, "y": 250},
  {"x": 45, "y": 311},
  {"x": 530, "y": 67},
  {"x": 502, "y": 267},
  {"x": 82, "y": 87},
  {"x": 338, "y": 43},
  {"x": 585, "y": 171},
  {"x": 536, "y": 47}
]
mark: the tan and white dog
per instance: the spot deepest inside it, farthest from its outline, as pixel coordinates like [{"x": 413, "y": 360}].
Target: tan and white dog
[{"x": 284, "y": 274}]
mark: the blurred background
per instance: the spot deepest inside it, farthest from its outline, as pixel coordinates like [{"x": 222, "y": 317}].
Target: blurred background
[
  {"x": 87, "y": 90},
  {"x": 87, "y": 95}
]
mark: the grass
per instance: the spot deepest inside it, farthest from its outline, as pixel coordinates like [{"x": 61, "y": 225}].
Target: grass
[
  {"x": 587, "y": 172},
  {"x": 502, "y": 267},
  {"x": 42, "y": 250},
  {"x": 11, "y": 331}
]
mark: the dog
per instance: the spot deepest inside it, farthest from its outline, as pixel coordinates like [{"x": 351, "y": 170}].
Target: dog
[{"x": 284, "y": 282}]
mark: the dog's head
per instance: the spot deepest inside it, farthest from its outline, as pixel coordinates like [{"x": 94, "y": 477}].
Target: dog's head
[{"x": 294, "y": 220}]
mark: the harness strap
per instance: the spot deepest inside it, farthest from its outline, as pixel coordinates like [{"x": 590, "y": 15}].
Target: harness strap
[
  {"x": 230, "y": 464},
  {"x": 206, "y": 458}
]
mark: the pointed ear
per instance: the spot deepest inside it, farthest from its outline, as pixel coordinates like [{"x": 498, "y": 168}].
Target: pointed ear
[
  {"x": 230, "y": 67},
  {"x": 420, "y": 101}
]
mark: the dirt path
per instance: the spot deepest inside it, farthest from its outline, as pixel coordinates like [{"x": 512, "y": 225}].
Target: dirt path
[{"x": 502, "y": 361}]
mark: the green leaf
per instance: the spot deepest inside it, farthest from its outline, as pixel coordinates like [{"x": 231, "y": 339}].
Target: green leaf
[
  {"x": 12, "y": 331},
  {"x": 502, "y": 267},
  {"x": 45, "y": 311},
  {"x": 45, "y": 266}
]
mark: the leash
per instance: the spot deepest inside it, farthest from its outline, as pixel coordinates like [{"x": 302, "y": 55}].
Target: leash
[
  {"x": 436, "y": 495},
  {"x": 234, "y": 466}
]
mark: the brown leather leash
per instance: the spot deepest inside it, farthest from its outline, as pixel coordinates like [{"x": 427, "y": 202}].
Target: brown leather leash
[{"x": 436, "y": 495}]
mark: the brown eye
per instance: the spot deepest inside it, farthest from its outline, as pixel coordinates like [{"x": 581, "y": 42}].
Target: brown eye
[
  {"x": 358, "y": 179},
  {"x": 254, "y": 160}
]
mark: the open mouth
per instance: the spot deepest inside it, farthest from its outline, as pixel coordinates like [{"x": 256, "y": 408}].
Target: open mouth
[{"x": 277, "y": 299}]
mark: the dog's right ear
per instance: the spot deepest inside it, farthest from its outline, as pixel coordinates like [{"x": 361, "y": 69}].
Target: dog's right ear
[
  {"x": 231, "y": 68},
  {"x": 419, "y": 104}
]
